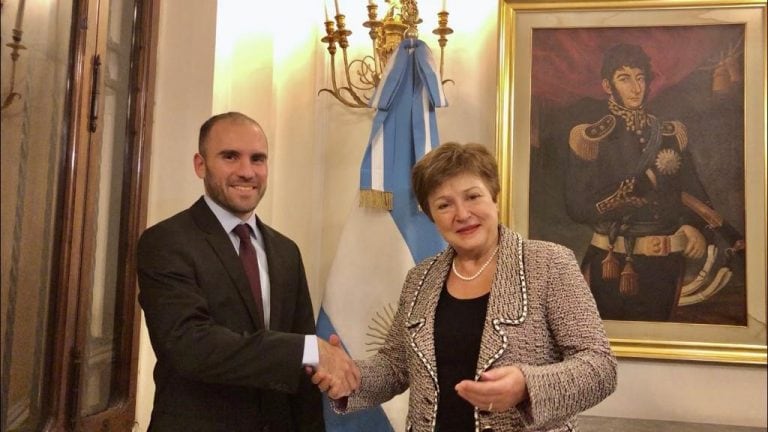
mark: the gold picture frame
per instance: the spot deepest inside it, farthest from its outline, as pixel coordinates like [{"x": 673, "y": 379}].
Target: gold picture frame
[{"x": 640, "y": 339}]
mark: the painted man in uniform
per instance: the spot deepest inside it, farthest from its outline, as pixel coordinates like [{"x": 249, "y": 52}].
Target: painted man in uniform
[{"x": 632, "y": 179}]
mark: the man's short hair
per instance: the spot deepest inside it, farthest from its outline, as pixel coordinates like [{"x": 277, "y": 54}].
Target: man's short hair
[
  {"x": 629, "y": 55},
  {"x": 205, "y": 129}
]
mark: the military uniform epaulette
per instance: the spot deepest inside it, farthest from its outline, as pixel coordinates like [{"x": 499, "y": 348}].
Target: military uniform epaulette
[
  {"x": 585, "y": 138},
  {"x": 676, "y": 129}
]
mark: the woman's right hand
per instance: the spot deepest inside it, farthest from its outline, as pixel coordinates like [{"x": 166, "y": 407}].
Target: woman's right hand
[{"x": 499, "y": 389}]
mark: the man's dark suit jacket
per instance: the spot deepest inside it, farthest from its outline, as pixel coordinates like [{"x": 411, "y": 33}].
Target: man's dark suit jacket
[{"x": 218, "y": 369}]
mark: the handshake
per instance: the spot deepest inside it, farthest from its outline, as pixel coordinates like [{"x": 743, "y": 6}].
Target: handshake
[{"x": 337, "y": 374}]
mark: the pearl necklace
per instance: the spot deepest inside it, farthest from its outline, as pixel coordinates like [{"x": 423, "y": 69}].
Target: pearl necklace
[{"x": 474, "y": 276}]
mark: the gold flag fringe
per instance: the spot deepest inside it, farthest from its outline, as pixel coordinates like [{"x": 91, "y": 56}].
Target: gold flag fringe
[{"x": 376, "y": 199}]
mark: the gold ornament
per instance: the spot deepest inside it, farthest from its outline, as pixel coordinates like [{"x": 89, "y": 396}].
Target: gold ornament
[{"x": 668, "y": 162}]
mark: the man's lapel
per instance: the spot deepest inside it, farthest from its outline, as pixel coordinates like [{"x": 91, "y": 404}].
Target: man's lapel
[{"x": 219, "y": 241}]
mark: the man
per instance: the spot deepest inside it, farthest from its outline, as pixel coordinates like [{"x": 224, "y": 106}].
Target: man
[
  {"x": 632, "y": 179},
  {"x": 232, "y": 334}
]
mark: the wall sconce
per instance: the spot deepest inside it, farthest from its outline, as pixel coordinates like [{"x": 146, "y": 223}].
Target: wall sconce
[
  {"x": 400, "y": 21},
  {"x": 15, "y": 46}
]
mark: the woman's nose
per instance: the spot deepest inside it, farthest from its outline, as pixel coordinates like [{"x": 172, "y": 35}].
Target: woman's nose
[{"x": 462, "y": 212}]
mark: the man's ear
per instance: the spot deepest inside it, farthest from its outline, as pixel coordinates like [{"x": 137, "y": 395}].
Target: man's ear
[
  {"x": 199, "y": 163},
  {"x": 607, "y": 86}
]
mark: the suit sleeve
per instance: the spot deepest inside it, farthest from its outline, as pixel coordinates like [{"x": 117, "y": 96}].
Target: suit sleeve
[
  {"x": 185, "y": 335},
  {"x": 306, "y": 405}
]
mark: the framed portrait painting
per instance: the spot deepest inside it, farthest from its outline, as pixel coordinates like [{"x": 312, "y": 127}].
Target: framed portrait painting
[{"x": 634, "y": 133}]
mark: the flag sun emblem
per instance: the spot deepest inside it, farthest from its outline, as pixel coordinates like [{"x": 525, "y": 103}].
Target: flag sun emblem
[{"x": 379, "y": 327}]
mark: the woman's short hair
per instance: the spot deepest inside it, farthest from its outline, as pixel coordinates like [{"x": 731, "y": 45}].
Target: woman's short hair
[{"x": 449, "y": 160}]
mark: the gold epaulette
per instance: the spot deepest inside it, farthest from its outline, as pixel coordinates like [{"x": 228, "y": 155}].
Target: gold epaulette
[
  {"x": 585, "y": 138},
  {"x": 678, "y": 130}
]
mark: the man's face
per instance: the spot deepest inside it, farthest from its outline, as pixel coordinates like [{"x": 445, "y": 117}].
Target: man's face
[
  {"x": 234, "y": 166},
  {"x": 627, "y": 87}
]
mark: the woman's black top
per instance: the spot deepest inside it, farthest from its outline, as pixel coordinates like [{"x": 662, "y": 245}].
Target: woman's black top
[{"x": 458, "y": 329}]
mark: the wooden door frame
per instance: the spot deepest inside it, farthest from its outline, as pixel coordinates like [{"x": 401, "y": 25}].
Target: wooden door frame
[{"x": 68, "y": 323}]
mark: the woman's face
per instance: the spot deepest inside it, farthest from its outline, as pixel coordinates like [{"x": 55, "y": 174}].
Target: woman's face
[{"x": 466, "y": 214}]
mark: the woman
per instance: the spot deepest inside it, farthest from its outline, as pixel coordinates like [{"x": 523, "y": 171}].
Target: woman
[{"x": 495, "y": 332}]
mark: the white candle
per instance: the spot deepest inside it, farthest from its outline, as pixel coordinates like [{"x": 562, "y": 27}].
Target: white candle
[
  {"x": 371, "y": 2},
  {"x": 19, "y": 15},
  {"x": 325, "y": 9},
  {"x": 336, "y": 3},
  {"x": 444, "y": 8}
]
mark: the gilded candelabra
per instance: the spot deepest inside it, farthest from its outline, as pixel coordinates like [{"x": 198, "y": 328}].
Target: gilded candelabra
[
  {"x": 15, "y": 47},
  {"x": 400, "y": 21}
]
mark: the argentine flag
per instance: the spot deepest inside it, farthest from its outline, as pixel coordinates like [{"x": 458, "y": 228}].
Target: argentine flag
[{"x": 388, "y": 234}]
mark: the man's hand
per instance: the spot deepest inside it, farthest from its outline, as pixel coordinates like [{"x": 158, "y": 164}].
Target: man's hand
[
  {"x": 337, "y": 373},
  {"x": 498, "y": 389},
  {"x": 696, "y": 245}
]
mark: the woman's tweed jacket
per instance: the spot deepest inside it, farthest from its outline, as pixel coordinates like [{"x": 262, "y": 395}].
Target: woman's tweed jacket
[{"x": 541, "y": 317}]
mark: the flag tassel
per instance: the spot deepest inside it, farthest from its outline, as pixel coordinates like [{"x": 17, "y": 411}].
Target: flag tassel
[{"x": 376, "y": 199}]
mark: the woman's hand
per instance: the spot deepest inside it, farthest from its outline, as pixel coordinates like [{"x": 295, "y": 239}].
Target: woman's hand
[{"x": 498, "y": 389}]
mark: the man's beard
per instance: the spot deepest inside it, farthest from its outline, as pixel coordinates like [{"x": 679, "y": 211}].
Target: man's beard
[{"x": 218, "y": 193}]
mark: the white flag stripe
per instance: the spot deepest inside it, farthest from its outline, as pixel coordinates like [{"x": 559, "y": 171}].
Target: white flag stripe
[
  {"x": 366, "y": 277},
  {"x": 371, "y": 259},
  {"x": 377, "y": 160},
  {"x": 427, "y": 129}
]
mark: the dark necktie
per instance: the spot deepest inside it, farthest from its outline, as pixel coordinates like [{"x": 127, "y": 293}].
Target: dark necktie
[{"x": 251, "y": 265}]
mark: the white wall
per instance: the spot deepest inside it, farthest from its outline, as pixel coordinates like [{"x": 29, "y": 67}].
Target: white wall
[
  {"x": 692, "y": 392},
  {"x": 317, "y": 145}
]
